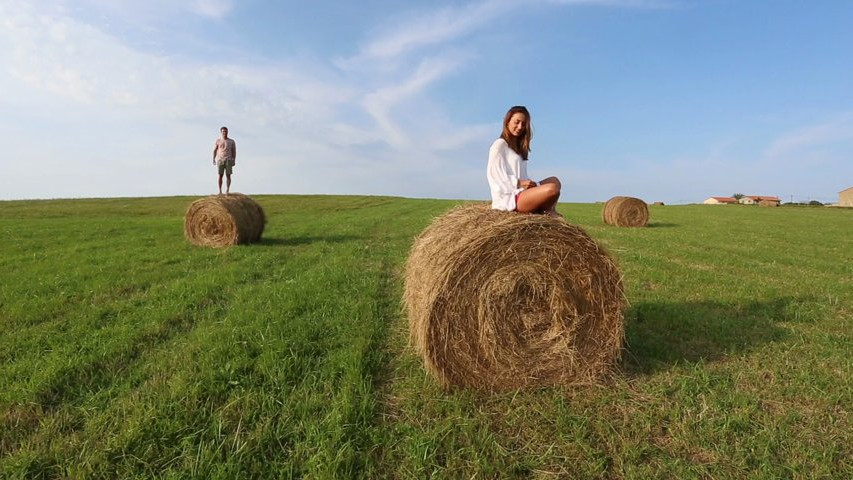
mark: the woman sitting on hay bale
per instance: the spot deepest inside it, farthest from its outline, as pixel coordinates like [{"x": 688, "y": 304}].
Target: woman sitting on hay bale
[{"x": 511, "y": 188}]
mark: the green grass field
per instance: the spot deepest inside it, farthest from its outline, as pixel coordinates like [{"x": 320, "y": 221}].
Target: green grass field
[{"x": 127, "y": 353}]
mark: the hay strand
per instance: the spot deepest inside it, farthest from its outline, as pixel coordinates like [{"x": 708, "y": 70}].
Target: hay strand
[
  {"x": 502, "y": 300},
  {"x": 224, "y": 220},
  {"x": 625, "y": 212}
]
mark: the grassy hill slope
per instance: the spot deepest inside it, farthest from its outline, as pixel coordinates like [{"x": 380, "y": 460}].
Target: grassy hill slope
[{"x": 128, "y": 353}]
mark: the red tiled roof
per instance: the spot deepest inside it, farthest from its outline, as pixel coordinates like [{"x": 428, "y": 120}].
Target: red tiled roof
[
  {"x": 758, "y": 198},
  {"x": 725, "y": 199}
]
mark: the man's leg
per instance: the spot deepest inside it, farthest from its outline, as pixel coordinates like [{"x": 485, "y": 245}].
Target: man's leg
[
  {"x": 227, "y": 183},
  {"x": 220, "y": 183}
]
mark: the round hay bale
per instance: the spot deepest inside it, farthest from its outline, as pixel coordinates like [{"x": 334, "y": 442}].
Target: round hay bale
[
  {"x": 502, "y": 300},
  {"x": 768, "y": 203},
  {"x": 223, "y": 220},
  {"x": 625, "y": 212}
]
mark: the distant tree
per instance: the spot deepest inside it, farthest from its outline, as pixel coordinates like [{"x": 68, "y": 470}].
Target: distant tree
[
  {"x": 815, "y": 203},
  {"x": 737, "y": 196}
]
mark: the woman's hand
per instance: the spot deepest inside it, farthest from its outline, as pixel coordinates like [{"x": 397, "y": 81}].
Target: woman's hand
[{"x": 525, "y": 184}]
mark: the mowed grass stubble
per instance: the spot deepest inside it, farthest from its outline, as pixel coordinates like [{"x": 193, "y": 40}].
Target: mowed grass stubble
[{"x": 128, "y": 353}]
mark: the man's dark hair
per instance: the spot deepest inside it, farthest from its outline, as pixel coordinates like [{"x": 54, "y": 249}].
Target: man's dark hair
[{"x": 223, "y": 128}]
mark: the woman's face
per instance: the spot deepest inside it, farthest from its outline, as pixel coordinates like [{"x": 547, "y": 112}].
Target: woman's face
[{"x": 517, "y": 124}]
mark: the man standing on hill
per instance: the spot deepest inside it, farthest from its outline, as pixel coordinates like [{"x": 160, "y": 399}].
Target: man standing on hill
[{"x": 224, "y": 157}]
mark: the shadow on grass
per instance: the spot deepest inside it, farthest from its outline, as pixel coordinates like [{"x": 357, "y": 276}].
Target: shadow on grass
[
  {"x": 308, "y": 239},
  {"x": 661, "y": 225},
  {"x": 661, "y": 334}
]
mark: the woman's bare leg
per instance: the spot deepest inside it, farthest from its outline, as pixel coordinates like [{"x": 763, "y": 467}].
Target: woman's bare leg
[
  {"x": 541, "y": 198},
  {"x": 552, "y": 209}
]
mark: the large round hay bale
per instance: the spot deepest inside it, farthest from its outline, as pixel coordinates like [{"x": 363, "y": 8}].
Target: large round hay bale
[
  {"x": 625, "y": 212},
  {"x": 502, "y": 300},
  {"x": 223, "y": 220}
]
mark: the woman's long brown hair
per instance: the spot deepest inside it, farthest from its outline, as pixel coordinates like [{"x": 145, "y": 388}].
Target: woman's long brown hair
[{"x": 521, "y": 143}]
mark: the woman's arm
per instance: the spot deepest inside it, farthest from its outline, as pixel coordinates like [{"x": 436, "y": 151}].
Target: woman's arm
[
  {"x": 524, "y": 180},
  {"x": 503, "y": 182},
  {"x": 501, "y": 178}
]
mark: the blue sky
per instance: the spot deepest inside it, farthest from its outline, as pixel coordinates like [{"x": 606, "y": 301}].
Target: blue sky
[{"x": 667, "y": 100}]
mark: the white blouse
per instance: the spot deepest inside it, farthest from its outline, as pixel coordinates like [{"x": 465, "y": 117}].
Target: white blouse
[{"x": 505, "y": 169}]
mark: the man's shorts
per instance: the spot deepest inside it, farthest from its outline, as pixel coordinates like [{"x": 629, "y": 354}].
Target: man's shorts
[{"x": 224, "y": 167}]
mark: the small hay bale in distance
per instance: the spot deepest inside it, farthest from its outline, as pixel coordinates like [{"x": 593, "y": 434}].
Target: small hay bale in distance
[
  {"x": 502, "y": 300},
  {"x": 224, "y": 220},
  {"x": 625, "y": 212},
  {"x": 767, "y": 203}
]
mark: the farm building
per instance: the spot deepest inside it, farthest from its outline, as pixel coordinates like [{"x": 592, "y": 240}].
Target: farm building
[
  {"x": 719, "y": 201},
  {"x": 845, "y": 197},
  {"x": 754, "y": 199}
]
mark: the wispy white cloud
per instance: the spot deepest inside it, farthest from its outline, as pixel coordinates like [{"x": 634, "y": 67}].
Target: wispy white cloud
[
  {"x": 305, "y": 125},
  {"x": 297, "y": 119},
  {"x": 381, "y": 102},
  {"x": 786, "y": 169},
  {"x": 430, "y": 29},
  {"x": 212, "y": 8},
  {"x": 426, "y": 47},
  {"x": 76, "y": 60},
  {"x": 450, "y": 23},
  {"x": 835, "y": 131},
  {"x": 151, "y": 10},
  {"x": 616, "y": 3}
]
